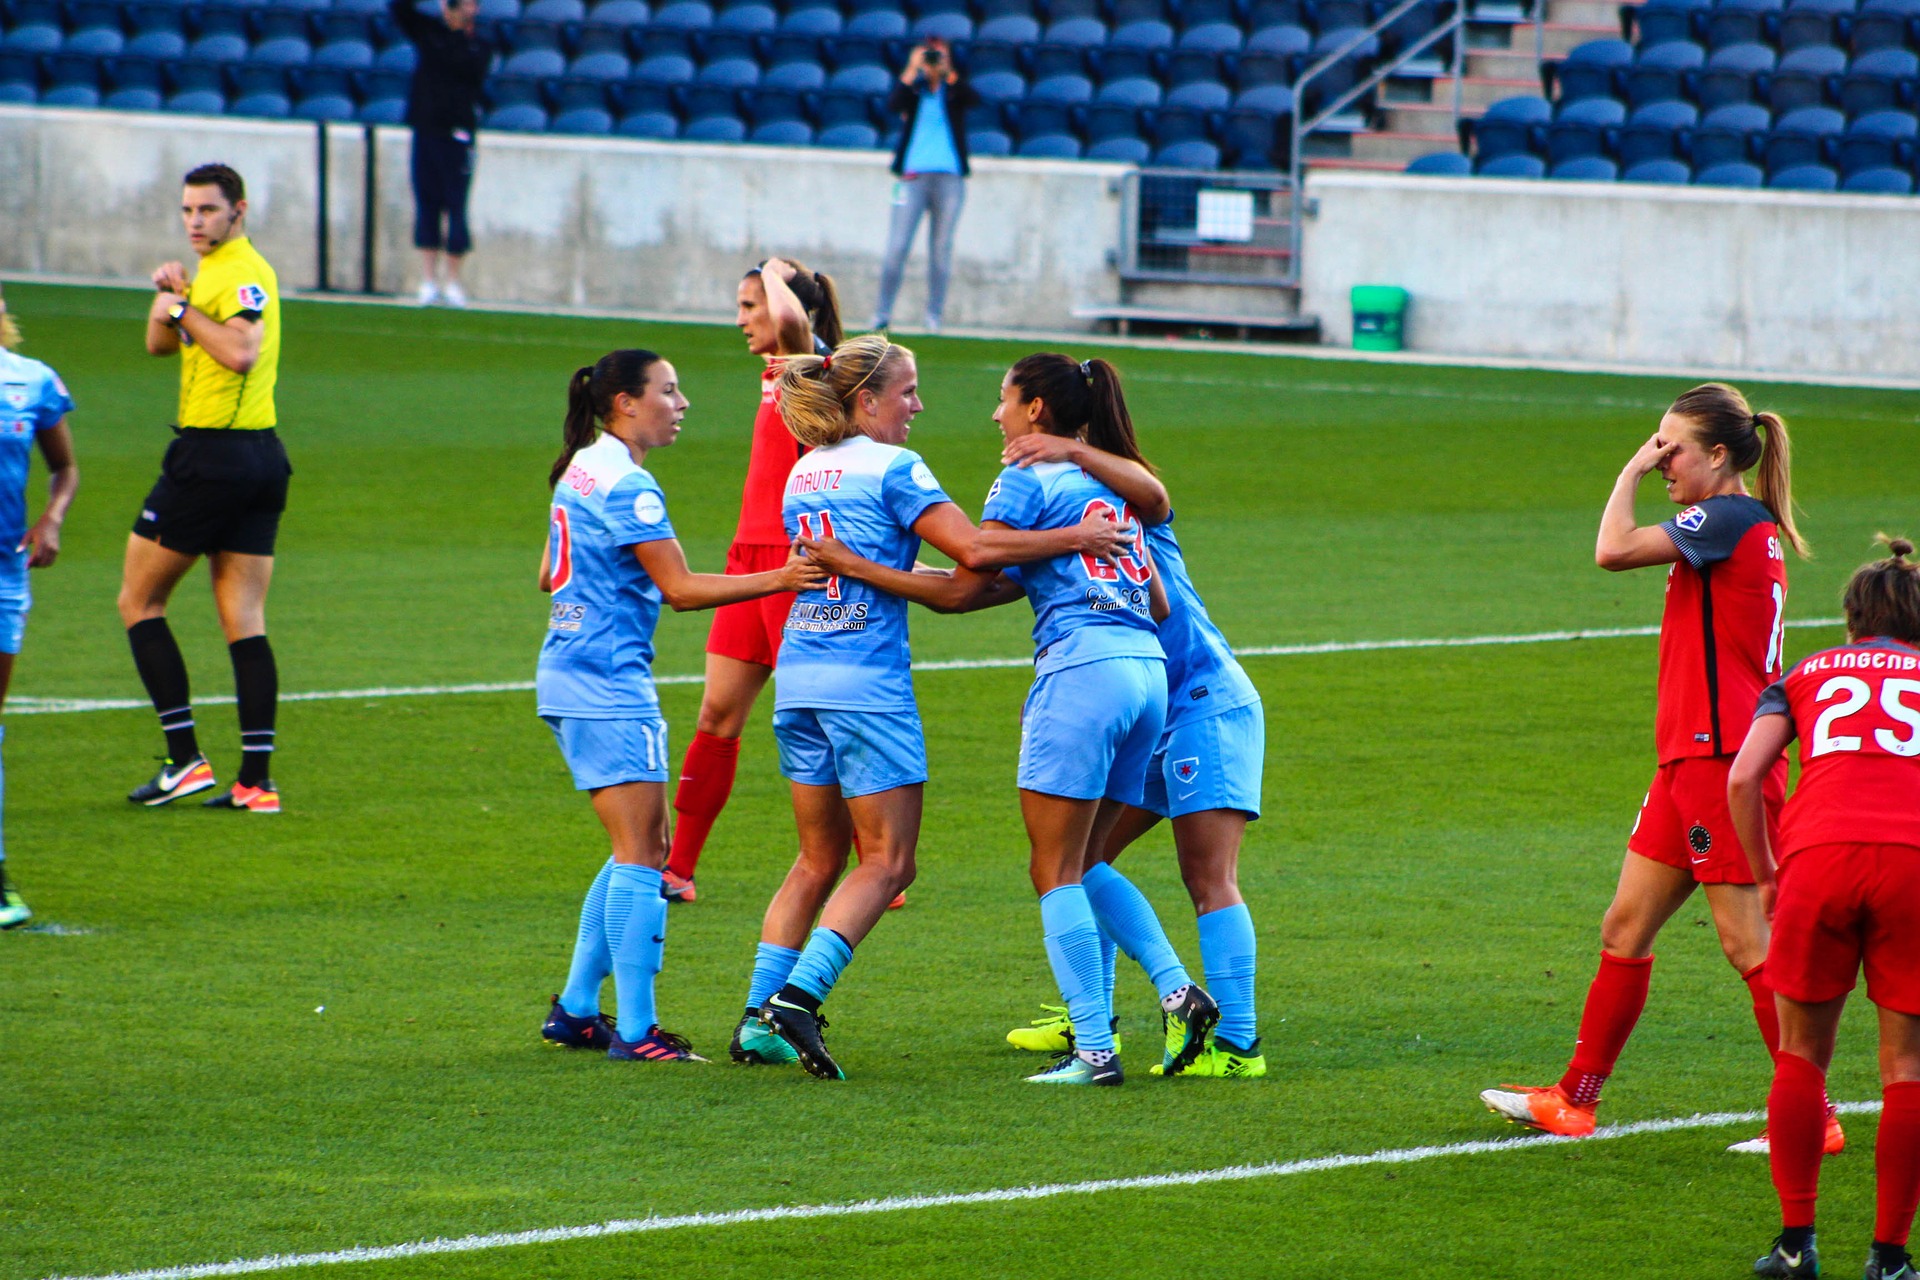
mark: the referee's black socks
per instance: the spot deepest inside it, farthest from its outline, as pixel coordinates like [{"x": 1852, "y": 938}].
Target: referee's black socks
[
  {"x": 256, "y": 686},
  {"x": 164, "y": 672}
]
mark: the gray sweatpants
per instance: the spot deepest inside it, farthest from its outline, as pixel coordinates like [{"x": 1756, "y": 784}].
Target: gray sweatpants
[{"x": 938, "y": 194}]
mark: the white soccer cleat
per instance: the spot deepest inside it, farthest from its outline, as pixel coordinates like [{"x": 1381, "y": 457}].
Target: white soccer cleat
[
  {"x": 453, "y": 295},
  {"x": 1752, "y": 1147},
  {"x": 429, "y": 293},
  {"x": 1514, "y": 1106}
]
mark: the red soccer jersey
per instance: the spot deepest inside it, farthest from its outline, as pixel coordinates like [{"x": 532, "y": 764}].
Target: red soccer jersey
[
  {"x": 1860, "y": 766},
  {"x": 1720, "y": 637},
  {"x": 774, "y": 453}
]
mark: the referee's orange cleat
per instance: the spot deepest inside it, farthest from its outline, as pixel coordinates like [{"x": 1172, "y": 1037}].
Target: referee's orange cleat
[
  {"x": 1836, "y": 1140},
  {"x": 899, "y": 901},
  {"x": 1547, "y": 1110},
  {"x": 260, "y": 799}
]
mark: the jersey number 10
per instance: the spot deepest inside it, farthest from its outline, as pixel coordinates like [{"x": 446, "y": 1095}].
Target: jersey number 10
[{"x": 561, "y": 547}]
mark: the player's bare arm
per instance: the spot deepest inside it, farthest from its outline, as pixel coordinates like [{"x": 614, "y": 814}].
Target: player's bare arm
[
  {"x": 42, "y": 541},
  {"x": 1139, "y": 486},
  {"x": 943, "y": 591},
  {"x": 234, "y": 344},
  {"x": 947, "y": 528},
  {"x": 685, "y": 590},
  {"x": 1766, "y": 740},
  {"x": 789, "y": 316},
  {"x": 1624, "y": 544}
]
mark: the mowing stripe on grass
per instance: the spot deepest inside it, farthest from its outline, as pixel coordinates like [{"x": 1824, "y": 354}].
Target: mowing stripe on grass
[
  {"x": 901, "y": 1204},
  {"x": 24, "y": 706}
]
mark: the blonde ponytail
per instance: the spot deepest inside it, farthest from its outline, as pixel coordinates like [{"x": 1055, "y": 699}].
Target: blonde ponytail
[{"x": 816, "y": 394}]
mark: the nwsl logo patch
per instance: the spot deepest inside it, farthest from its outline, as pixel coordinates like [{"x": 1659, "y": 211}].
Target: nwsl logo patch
[
  {"x": 1691, "y": 519},
  {"x": 252, "y": 298}
]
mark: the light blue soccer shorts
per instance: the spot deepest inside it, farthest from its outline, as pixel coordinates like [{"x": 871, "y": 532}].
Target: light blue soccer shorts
[
  {"x": 1088, "y": 732},
  {"x": 1211, "y": 763},
  {"x": 864, "y": 752},
  {"x": 605, "y": 753},
  {"x": 15, "y": 599}
]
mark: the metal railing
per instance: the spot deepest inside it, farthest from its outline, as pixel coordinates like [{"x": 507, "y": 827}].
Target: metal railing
[
  {"x": 1186, "y": 226},
  {"x": 1303, "y": 126}
]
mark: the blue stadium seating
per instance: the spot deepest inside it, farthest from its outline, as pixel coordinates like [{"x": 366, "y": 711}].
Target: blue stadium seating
[
  {"x": 1657, "y": 131},
  {"x": 73, "y": 80},
  {"x": 260, "y": 89},
  {"x": 580, "y": 105},
  {"x": 34, "y": 28},
  {"x": 1879, "y": 139},
  {"x": 1733, "y": 74},
  {"x": 94, "y": 29},
  {"x": 1588, "y": 127},
  {"x": 1807, "y": 136},
  {"x": 1729, "y": 134},
  {"x": 1806, "y": 177},
  {"x": 1442, "y": 164},
  {"x": 1886, "y": 182},
  {"x": 1511, "y": 126},
  {"x": 1880, "y": 80},
  {"x": 1809, "y": 76},
  {"x": 1734, "y": 173},
  {"x": 1518, "y": 164},
  {"x": 1814, "y": 22},
  {"x": 134, "y": 84},
  {"x": 1664, "y": 21},
  {"x": 1665, "y": 172},
  {"x": 198, "y": 88},
  {"x": 1585, "y": 169},
  {"x": 1595, "y": 69},
  {"x": 518, "y": 105},
  {"x": 323, "y": 93}
]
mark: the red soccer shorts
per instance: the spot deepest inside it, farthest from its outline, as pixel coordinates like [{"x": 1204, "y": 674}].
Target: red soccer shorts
[
  {"x": 1841, "y": 905},
  {"x": 1685, "y": 822},
  {"x": 750, "y": 630}
]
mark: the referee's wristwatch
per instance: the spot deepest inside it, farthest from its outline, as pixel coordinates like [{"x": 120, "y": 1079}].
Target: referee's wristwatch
[{"x": 175, "y": 313}]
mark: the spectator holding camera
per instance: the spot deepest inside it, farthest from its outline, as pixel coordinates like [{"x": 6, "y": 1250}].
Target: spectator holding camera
[
  {"x": 443, "y": 110},
  {"x": 933, "y": 98}
]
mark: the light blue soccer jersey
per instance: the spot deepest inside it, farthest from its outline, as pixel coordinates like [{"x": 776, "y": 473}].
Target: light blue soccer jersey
[
  {"x": 597, "y": 662},
  {"x": 845, "y": 645},
  {"x": 1203, "y": 677},
  {"x": 1083, "y": 608},
  {"x": 32, "y": 400}
]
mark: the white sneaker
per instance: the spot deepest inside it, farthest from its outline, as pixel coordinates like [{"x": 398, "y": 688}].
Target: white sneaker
[
  {"x": 429, "y": 293},
  {"x": 933, "y": 324},
  {"x": 453, "y": 295}
]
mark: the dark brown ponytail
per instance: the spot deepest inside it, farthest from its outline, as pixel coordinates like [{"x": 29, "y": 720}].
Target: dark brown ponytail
[
  {"x": 1883, "y": 598},
  {"x": 590, "y": 394},
  {"x": 1723, "y": 417},
  {"x": 1079, "y": 399}
]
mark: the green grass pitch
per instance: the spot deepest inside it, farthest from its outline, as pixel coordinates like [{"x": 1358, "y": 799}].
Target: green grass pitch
[{"x": 1443, "y": 830}]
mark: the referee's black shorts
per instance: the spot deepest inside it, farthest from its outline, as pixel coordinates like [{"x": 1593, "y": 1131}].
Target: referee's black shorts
[{"x": 219, "y": 489}]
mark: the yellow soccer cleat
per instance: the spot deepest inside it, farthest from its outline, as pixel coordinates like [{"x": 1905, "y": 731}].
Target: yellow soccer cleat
[
  {"x": 1052, "y": 1032},
  {"x": 1225, "y": 1060}
]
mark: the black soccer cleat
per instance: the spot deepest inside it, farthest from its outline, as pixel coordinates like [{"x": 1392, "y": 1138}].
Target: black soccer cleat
[
  {"x": 801, "y": 1028},
  {"x": 1186, "y": 1025},
  {"x": 1780, "y": 1264},
  {"x": 1896, "y": 1269},
  {"x": 173, "y": 781},
  {"x": 569, "y": 1032}
]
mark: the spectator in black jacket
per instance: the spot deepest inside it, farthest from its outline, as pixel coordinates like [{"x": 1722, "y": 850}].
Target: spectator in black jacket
[
  {"x": 442, "y": 107},
  {"x": 933, "y": 98}
]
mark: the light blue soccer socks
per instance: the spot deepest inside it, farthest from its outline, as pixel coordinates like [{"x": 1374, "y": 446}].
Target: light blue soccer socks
[
  {"x": 819, "y": 966},
  {"x": 772, "y": 964},
  {"x": 592, "y": 961},
  {"x": 1125, "y": 915},
  {"x": 1227, "y": 956},
  {"x": 1073, "y": 949},
  {"x": 636, "y": 917},
  {"x": 1109, "y": 953}
]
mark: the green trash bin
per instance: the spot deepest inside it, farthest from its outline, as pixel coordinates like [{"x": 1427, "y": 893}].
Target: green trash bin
[{"x": 1379, "y": 317}]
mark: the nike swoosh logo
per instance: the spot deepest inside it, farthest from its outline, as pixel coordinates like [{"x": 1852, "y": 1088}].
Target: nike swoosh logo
[
  {"x": 1791, "y": 1259},
  {"x": 169, "y": 783},
  {"x": 1188, "y": 795},
  {"x": 659, "y": 939}
]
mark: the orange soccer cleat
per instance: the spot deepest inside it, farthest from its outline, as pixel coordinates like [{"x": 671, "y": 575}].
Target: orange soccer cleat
[
  {"x": 1836, "y": 1140},
  {"x": 245, "y": 799},
  {"x": 675, "y": 889},
  {"x": 1547, "y": 1110}
]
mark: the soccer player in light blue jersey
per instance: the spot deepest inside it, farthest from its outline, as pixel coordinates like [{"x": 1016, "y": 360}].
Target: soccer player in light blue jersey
[
  {"x": 1095, "y": 712},
  {"x": 1205, "y": 775},
  {"x": 611, "y": 559},
  {"x": 844, "y": 716},
  {"x": 33, "y": 411}
]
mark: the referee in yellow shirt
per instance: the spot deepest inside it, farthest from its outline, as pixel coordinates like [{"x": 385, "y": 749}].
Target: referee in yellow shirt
[{"x": 222, "y": 487}]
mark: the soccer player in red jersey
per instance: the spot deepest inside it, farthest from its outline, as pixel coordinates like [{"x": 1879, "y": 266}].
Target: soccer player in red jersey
[
  {"x": 1720, "y": 643},
  {"x": 1844, "y": 893},
  {"x": 784, "y": 310}
]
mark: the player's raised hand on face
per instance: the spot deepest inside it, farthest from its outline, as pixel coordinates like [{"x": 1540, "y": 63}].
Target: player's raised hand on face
[
  {"x": 43, "y": 540},
  {"x": 1024, "y": 451},
  {"x": 800, "y": 572},
  {"x": 1651, "y": 454}
]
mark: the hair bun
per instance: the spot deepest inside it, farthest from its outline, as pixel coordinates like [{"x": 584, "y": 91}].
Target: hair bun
[{"x": 1900, "y": 547}]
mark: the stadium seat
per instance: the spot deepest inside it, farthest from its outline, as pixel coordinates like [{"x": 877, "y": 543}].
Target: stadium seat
[
  {"x": 1510, "y": 126},
  {"x": 260, "y": 89},
  {"x": 323, "y": 93},
  {"x": 600, "y": 63},
  {"x": 1441, "y": 164},
  {"x": 1585, "y": 169},
  {"x": 1253, "y": 139},
  {"x": 580, "y": 105},
  {"x": 1192, "y": 13},
  {"x": 398, "y": 56},
  {"x": 1741, "y": 22},
  {"x": 813, "y": 20},
  {"x": 1267, "y": 99},
  {"x": 833, "y": 109},
  {"x": 517, "y": 104},
  {"x": 1408, "y": 29},
  {"x": 1803, "y": 137},
  {"x": 1050, "y": 146},
  {"x": 159, "y": 32},
  {"x": 664, "y": 69},
  {"x": 1061, "y": 88},
  {"x": 1252, "y": 70},
  {"x": 800, "y": 77},
  {"x": 1814, "y": 22},
  {"x": 1341, "y": 15},
  {"x": 1807, "y": 77},
  {"x": 864, "y": 79},
  {"x": 729, "y": 73},
  {"x": 620, "y": 13},
  {"x": 1879, "y": 81},
  {"x": 1663, "y": 71},
  {"x": 1733, "y": 74},
  {"x": 989, "y": 142},
  {"x": 1284, "y": 41},
  {"x": 94, "y": 29},
  {"x": 1010, "y": 28},
  {"x": 782, "y": 133},
  {"x": 1120, "y": 150},
  {"x": 715, "y": 129},
  {"x": 73, "y": 80},
  {"x": 20, "y": 78},
  {"x": 197, "y": 88},
  {"x": 1262, "y": 14},
  {"x": 1881, "y": 24},
  {"x": 1664, "y": 21},
  {"x": 220, "y": 36},
  {"x": 1588, "y": 127},
  {"x": 683, "y": 15},
  {"x": 1341, "y": 76},
  {"x": 555, "y": 10},
  {"x": 1147, "y": 34},
  {"x": 33, "y": 27},
  {"x": 345, "y": 42},
  {"x": 1734, "y": 173},
  {"x": 1201, "y": 95},
  {"x": 954, "y": 28},
  {"x": 1665, "y": 172},
  {"x": 1514, "y": 165},
  {"x": 1657, "y": 131},
  {"x": 877, "y": 24},
  {"x": 1885, "y": 182},
  {"x": 1213, "y": 37},
  {"x": 649, "y": 124},
  {"x": 1806, "y": 177},
  {"x": 1595, "y": 69},
  {"x": 1038, "y": 119},
  {"x": 1729, "y": 135},
  {"x": 754, "y": 17},
  {"x": 1879, "y": 140},
  {"x": 1183, "y": 66},
  {"x": 1130, "y": 91},
  {"x": 535, "y": 50},
  {"x": 383, "y": 96},
  {"x": 1191, "y": 154},
  {"x": 134, "y": 84}
]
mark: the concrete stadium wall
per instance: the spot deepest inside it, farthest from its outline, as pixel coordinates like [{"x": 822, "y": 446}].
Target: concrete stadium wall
[
  {"x": 578, "y": 222},
  {"x": 1635, "y": 274}
]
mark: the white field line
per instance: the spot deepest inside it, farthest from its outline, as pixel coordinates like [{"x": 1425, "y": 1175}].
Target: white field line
[
  {"x": 900, "y": 1204},
  {"x": 24, "y": 706}
]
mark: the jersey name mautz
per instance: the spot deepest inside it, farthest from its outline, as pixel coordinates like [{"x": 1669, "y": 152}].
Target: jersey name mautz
[{"x": 814, "y": 481}]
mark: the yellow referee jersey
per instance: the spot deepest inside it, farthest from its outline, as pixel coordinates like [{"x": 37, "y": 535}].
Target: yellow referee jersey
[{"x": 234, "y": 280}]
